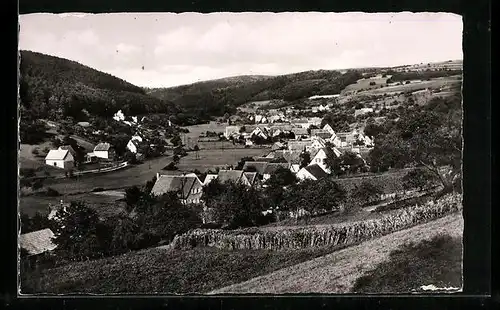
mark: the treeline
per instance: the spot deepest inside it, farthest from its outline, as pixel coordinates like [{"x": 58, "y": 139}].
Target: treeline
[
  {"x": 420, "y": 75},
  {"x": 55, "y": 88},
  {"x": 201, "y": 101}
]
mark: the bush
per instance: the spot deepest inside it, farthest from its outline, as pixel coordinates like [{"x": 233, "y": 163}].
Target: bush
[
  {"x": 372, "y": 83},
  {"x": 52, "y": 192},
  {"x": 37, "y": 184}
]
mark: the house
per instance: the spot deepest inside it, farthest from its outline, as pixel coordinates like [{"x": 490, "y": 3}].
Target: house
[
  {"x": 324, "y": 134},
  {"x": 60, "y": 158},
  {"x": 188, "y": 187},
  {"x": 300, "y": 132},
  {"x": 315, "y": 121},
  {"x": 231, "y": 130},
  {"x": 329, "y": 128},
  {"x": 133, "y": 146},
  {"x": 235, "y": 176},
  {"x": 104, "y": 150},
  {"x": 255, "y": 166},
  {"x": 291, "y": 157},
  {"x": 362, "y": 111},
  {"x": 312, "y": 172},
  {"x": 209, "y": 178},
  {"x": 277, "y": 146},
  {"x": 296, "y": 145},
  {"x": 83, "y": 124},
  {"x": 69, "y": 148},
  {"x": 252, "y": 178},
  {"x": 259, "y": 132},
  {"x": 37, "y": 242},
  {"x": 315, "y": 144},
  {"x": 271, "y": 168},
  {"x": 301, "y": 122},
  {"x": 321, "y": 155}
]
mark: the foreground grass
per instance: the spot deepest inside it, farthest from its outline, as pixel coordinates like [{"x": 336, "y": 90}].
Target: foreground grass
[
  {"x": 338, "y": 272},
  {"x": 437, "y": 261},
  {"x": 156, "y": 270}
]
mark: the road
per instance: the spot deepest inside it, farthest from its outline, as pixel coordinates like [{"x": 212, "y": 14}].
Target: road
[{"x": 337, "y": 272}]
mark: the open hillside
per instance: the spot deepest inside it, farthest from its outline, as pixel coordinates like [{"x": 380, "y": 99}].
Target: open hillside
[
  {"x": 217, "y": 97},
  {"x": 56, "y": 88}
]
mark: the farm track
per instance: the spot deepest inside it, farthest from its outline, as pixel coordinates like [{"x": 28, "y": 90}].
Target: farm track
[{"x": 337, "y": 272}]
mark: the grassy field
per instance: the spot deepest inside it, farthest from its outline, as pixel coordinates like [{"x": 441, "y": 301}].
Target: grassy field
[
  {"x": 437, "y": 261},
  {"x": 209, "y": 159},
  {"x": 365, "y": 84},
  {"x": 414, "y": 86},
  {"x": 105, "y": 205},
  {"x": 338, "y": 272},
  {"x": 134, "y": 175},
  {"x": 156, "y": 270},
  {"x": 196, "y": 130}
]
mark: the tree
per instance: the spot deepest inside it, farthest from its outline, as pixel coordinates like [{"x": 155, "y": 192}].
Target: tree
[
  {"x": 323, "y": 195},
  {"x": 176, "y": 140},
  {"x": 79, "y": 234},
  {"x": 238, "y": 206},
  {"x": 282, "y": 177},
  {"x": 305, "y": 159},
  {"x": 372, "y": 129},
  {"x": 365, "y": 193},
  {"x": 132, "y": 196},
  {"x": 418, "y": 179}
]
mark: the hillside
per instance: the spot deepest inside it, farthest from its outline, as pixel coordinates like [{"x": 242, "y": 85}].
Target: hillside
[
  {"x": 56, "y": 88},
  {"x": 217, "y": 97}
]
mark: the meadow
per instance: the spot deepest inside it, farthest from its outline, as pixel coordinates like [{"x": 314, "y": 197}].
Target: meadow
[{"x": 211, "y": 158}]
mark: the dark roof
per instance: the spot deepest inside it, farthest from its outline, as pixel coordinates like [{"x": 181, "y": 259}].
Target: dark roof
[
  {"x": 260, "y": 166},
  {"x": 169, "y": 183},
  {"x": 316, "y": 171},
  {"x": 272, "y": 167},
  {"x": 292, "y": 157},
  {"x": 251, "y": 176},
  {"x": 230, "y": 175},
  {"x": 103, "y": 146},
  {"x": 299, "y": 131},
  {"x": 37, "y": 242}
]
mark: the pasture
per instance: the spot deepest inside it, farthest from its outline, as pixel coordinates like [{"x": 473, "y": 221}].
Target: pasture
[
  {"x": 415, "y": 86},
  {"x": 105, "y": 205},
  {"x": 209, "y": 159},
  {"x": 133, "y": 175},
  {"x": 196, "y": 130},
  {"x": 365, "y": 84}
]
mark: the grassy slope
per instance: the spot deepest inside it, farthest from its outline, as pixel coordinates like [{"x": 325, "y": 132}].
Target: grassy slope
[
  {"x": 155, "y": 270},
  {"x": 437, "y": 261},
  {"x": 337, "y": 272}
]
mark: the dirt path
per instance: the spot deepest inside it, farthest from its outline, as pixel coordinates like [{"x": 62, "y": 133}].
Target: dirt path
[{"x": 337, "y": 272}]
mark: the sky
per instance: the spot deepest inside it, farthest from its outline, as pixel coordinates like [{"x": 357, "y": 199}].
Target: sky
[{"x": 168, "y": 49}]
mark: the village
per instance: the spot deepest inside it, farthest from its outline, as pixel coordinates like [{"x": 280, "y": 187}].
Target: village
[{"x": 237, "y": 177}]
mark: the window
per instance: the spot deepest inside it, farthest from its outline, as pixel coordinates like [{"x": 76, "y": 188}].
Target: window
[{"x": 55, "y": 164}]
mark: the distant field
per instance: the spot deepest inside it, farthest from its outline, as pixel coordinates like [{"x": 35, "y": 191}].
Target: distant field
[
  {"x": 105, "y": 205},
  {"x": 365, "y": 83},
  {"x": 196, "y": 130},
  {"x": 414, "y": 86},
  {"x": 134, "y": 175},
  {"x": 209, "y": 159}
]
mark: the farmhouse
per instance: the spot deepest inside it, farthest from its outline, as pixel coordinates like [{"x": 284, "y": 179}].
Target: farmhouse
[
  {"x": 209, "y": 178},
  {"x": 104, "y": 150},
  {"x": 255, "y": 166},
  {"x": 259, "y": 132},
  {"x": 69, "y": 148},
  {"x": 324, "y": 134},
  {"x": 60, "y": 158},
  {"x": 329, "y": 128},
  {"x": 231, "y": 130},
  {"x": 37, "y": 242},
  {"x": 312, "y": 172},
  {"x": 272, "y": 167},
  {"x": 300, "y": 132},
  {"x": 189, "y": 188},
  {"x": 362, "y": 111},
  {"x": 235, "y": 176},
  {"x": 133, "y": 146},
  {"x": 320, "y": 157}
]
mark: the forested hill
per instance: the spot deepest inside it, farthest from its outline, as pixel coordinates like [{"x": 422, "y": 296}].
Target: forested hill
[
  {"x": 55, "y": 88},
  {"x": 224, "y": 95}
]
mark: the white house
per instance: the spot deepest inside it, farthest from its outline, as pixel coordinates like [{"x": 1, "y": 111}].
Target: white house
[
  {"x": 312, "y": 172},
  {"x": 104, "y": 150},
  {"x": 230, "y": 130},
  {"x": 320, "y": 157},
  {"x": 259, "y": 132},
  {"x": 119, "y": 116},
  {"x": 133, "y": 145},
  {"x": 329, "y": 128},
  {"x": 60, "y": 158}
]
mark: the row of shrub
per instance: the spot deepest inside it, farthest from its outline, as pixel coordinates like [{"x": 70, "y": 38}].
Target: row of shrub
[{"x": 339, "y": 234}]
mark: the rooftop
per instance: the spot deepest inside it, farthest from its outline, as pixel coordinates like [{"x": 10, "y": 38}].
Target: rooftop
[
  {"x": 57, "y": 154},
  {"x": 37, "y": 242}
]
